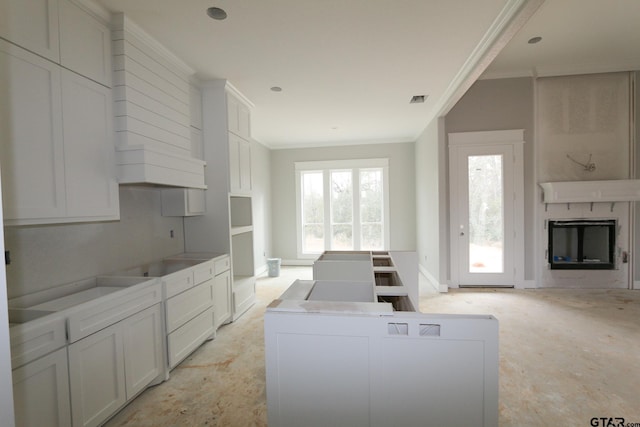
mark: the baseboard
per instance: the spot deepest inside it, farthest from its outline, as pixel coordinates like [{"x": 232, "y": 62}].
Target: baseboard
[
  {"x": 528, "y": 284},
  {"x": 308, "y": 262},
  {"x": 438, "y": 287},
  {"x": 636, "y": 284}
]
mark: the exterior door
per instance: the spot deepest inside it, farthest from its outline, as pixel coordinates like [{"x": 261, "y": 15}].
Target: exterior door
[{"x": 486, "y": 200}]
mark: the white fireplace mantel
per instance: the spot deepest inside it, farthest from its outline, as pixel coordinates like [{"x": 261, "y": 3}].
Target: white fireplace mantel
[{"x": 625, "y": 190}]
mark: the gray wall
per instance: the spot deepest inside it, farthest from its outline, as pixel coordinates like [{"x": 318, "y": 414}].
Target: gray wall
[
  {"x": 402, "y": 210},
  {"x": 500, "y": 105},
  {"x": 46, "y": 256}
]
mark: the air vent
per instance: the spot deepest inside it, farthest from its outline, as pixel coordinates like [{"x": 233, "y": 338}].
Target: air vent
[{"x": 418, "y": 99}]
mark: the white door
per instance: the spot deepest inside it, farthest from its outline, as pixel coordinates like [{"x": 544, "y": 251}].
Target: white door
[{"x": 486, "y": 200}]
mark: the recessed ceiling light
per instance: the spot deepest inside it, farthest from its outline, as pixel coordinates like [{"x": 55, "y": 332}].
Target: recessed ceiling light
[
  {"x": 417, "y": 99},
  {"x": 534, "y": 40},
  {"x": 216, "y": 13},
  {"x": 276, "y": 89}
]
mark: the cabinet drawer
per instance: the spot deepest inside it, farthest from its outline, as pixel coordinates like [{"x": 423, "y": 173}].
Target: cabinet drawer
[
  {"x": 36, "y": 338},
  {"x": 96, "y": 315},
  {"x": 222, "y": 265},
  {"x": 187, "y": 305},
  {"x": 203, "y": 272},
  {"x": 190, "y": 336},
  {"x": 178, "y": 282}
]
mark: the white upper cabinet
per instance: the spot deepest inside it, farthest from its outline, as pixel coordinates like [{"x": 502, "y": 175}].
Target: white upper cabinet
[
  {"x": 31, "y": 152},
  {"x": 85, "y": 43},
  {"x": 238, "y": 117},
  {"x": 57, "y": 151},
  {"x": 32, "y": 24},
  {"x": 91, "y": 186}
]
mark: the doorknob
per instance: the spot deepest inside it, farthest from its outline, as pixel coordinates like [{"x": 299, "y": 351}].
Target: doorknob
[{"x": 462, "y": 233}]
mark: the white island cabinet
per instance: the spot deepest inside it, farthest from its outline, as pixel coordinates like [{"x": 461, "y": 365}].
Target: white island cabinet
[{"x": 355, "y": 353}]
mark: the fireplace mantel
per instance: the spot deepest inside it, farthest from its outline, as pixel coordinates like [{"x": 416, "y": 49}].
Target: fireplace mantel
[{"x": 624, "y": 190}]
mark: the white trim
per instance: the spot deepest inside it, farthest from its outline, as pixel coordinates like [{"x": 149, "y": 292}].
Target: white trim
[
  {"x": 435, "y": 284},
  {"x": 94, "y": 9},
  {"x": 513, "y": 16},
  {"x": 636, "y": 284},
  {"x": 515, "y": 139},
  {"x": 275, "y": 145},
  {"x": 529, "y": 284},
  {"x": 341, "y": 164}
]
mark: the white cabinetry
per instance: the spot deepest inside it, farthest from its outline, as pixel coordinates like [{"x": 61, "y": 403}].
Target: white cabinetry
[
  {"x": 189, "y": 310},
  {"x": 32, "y": 24},
  {"x": 85, "y": 43},
  {"x": 182, "y": 201},
  {"x": 57, "y": 161},
  {"x": 239, "y": 126},
  {"x": 241, "y": 225},
  {"x": 91, "y": 187},
  {"x": 222, "y": 295},
  {"x": 41, "y": 392},
  {"x": 32, "y": 151},
  {"x": 111, "y": 366}
]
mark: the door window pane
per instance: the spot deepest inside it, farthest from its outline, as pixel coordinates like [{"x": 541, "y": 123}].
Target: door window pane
[
  {"x": 312, "y": 212},
  {"x": 341, "y": 210},
  {"x": 486, "y": 214}
]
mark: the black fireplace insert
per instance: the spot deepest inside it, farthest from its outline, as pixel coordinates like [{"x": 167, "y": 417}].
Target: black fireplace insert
[{"x": 584, "y": 244}]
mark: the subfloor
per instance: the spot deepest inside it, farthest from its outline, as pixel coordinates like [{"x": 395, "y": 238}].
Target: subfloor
[{"x": 566, "y": 356}]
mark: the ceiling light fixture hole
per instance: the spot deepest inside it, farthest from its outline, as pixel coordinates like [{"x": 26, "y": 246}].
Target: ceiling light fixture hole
[
  {"x": 534, "y": 40},
  {"x": 216, "y": 13},
  {"x": 276, "y": 89}
]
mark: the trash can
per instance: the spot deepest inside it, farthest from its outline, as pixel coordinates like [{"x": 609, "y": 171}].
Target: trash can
[{"x": 274, "y": 266}]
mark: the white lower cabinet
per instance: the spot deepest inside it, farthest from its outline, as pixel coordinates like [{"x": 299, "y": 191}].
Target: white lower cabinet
[
  {"x": 184, "y": 340},
  {"x": 109, "y": 367},
  {"x": 41, "y": 392}
]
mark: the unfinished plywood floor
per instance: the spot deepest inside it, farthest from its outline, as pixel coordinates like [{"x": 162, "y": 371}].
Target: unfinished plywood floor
[{"x": 566, "y": 356}]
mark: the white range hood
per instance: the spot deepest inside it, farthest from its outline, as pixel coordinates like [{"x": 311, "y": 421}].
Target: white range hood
[{"x": 625, "y": 190}]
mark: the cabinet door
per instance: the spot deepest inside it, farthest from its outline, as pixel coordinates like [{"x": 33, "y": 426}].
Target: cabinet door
[
  {"x": 222, "y": 298},
  {"x": 91, "y": 186},
  {"x": 244, "y": 121},
  {"x": 41, "y": 392},
  {"x": 32, "y": 24},
  {"x": 85, "y": 43},
  {"x": 143, "y": 359},
  {"x": 239, "y": 164},
  {"x": 32, "y": 151},
  {"x": 96, "y": 376},
  {"x": 245, "y": 165}
]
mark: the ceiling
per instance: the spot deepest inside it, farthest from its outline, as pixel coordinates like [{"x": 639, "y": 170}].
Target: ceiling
[{"x": 348, "y": 69}]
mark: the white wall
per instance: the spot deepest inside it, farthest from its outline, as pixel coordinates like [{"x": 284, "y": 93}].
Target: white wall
[
  {"x": 51, "y": 255},
  {"x": 431, "y": 204},
  {"x": 402, "y": 222},
  {"x": 261, "y": 183}
]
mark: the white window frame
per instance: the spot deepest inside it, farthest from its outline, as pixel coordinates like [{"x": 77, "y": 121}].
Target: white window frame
[{"x": 326, "y": 167}]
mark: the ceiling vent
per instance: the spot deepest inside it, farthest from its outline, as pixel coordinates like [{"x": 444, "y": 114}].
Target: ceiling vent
[{"x": 418, "y": 99}]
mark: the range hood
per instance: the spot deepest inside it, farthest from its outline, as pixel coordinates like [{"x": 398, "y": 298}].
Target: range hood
[
  {"x": 624, "y": 190},
  {"x": 152, "y": 106}
]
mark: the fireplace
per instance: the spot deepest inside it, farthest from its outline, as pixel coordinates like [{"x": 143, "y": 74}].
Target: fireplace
[{"x": 582, "y": 244}]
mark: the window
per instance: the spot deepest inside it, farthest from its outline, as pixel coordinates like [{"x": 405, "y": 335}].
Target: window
[{"x": 342, "y": 205}]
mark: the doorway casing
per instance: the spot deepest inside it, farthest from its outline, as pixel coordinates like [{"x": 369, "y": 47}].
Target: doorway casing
[{"x": 487, "y": 141}]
